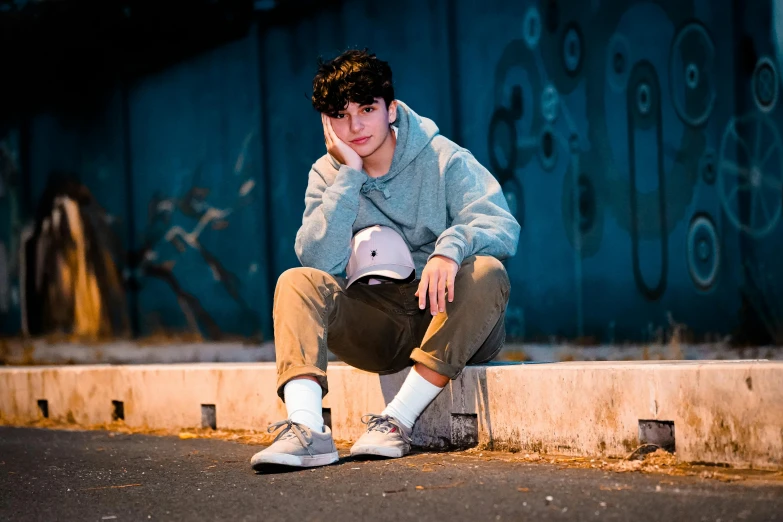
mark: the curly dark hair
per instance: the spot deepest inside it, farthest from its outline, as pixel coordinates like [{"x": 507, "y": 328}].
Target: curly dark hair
[{"x": 355, "y": 76}]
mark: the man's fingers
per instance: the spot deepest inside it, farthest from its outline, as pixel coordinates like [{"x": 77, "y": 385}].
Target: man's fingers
[
  {"x": 450, "y": 286},
  {"x": 422, "y": 291},
  {"x": 433, "y": 293},
  {"x": 327, "y": 139},
  {"x": 442, "y": 291}
]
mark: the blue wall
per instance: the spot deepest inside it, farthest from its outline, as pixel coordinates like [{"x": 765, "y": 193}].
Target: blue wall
[{"x": 618, "y": 129}]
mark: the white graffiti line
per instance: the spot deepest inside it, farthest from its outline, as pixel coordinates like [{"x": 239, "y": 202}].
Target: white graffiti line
[
  {"x": 167, "y": 205},
  {"x": 770, "y": 152},
  {"x": 246, "y": 187},
  {"x": 740, "y": 140},
  {"x": 191, "y": 238},
  {"x": 240, "y": 163},
  {"x": 732, "y": 168}
]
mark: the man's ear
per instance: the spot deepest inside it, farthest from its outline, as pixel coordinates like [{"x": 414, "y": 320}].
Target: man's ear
[{"x": 393, "y": 111}]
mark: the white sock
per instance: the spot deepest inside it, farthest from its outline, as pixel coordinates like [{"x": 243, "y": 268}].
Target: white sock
[
  {"x": 304, "y": 403},
  {"x": 414, "y": 396}
]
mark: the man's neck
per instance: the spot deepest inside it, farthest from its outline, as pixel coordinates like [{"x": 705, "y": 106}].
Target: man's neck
[{"x": 378, "y": 163}]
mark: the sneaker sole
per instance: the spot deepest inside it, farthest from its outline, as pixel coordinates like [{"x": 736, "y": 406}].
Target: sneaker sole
[
  {"x": 379, "y": 451},
  {"x": 294, "y": 461}
]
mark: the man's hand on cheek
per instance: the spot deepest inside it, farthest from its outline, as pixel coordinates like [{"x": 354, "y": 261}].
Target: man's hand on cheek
[
  {"x": 436, "y": 279},
  {"x": 339, "y": 150}
]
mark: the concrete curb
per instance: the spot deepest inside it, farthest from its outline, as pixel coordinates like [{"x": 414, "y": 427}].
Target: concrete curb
[
  {"x": 722, "y": 412},
  {"x": 43, "y": 352}
]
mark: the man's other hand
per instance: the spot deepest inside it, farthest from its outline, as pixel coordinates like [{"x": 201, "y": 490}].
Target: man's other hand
[
  {"x": 338, "y": 148},
  {"x": 436, "y": 278}
]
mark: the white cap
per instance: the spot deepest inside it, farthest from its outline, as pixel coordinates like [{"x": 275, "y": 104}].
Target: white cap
[{"x": 379, "y": 250}]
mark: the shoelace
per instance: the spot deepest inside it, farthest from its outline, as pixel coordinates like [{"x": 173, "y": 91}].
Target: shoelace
[
  {"x": 384, "y": 424},
  {"x": 293, "y": 429}
]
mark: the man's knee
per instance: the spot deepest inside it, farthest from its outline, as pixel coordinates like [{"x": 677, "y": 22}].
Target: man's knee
[
  {"x": 299, "y": 277},
  {"x": 293, "y": 277},
  {"x": 488, "y": 271}
]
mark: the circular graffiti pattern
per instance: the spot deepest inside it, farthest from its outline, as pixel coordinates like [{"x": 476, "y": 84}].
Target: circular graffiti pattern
[
  {"x": 703, "y": 251},
  {"x": 754, "y": 180},
  {"x": 547, "y": 148},
  {"x": 517, "y": 87},
  {"x": 690, "y": 64},
  {"x": 514, "y": 128},
  {"x": 692, "y": 76},
  {"x": 623, "y": 30},
  {"x": 764, "y": 85},
  {"x": 643, "y": 99},
  {"x": 531, "y": 28},
  {"x": 645, "y": 94},
  {"x": 503, "y": 143},
  {"x": 572, "y": 50},
  {"x": 582, "y": 211},
  {"x": 550, "y": 103},
  {"x": 707, "y": 168},
  {"x": 618, "y": 63}
]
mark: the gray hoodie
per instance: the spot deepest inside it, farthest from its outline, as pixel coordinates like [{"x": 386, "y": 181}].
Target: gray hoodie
[{"x": 436, "y": 195}]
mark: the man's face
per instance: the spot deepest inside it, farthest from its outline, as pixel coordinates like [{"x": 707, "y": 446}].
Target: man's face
[{"x": 365, "y": 128}]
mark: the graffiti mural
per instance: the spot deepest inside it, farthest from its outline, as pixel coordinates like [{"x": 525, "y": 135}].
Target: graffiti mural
[
  {"x": 628, "y": 105},
  {"x": 165, "y": 242},
  {"x": 638, "y": 145},
  {"x": 72, "y": 266}
]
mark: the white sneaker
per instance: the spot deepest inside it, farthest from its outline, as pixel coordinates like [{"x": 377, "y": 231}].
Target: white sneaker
[
  {"x": 298, "y": 446},
  {"x": 385, "y": 437}
]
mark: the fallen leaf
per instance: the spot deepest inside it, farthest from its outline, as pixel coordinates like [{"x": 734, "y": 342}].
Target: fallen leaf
[
  {"x": 523, "y": 490},
  {"x": 112, "y": 487},
  {"x": 444, "y": 486}
]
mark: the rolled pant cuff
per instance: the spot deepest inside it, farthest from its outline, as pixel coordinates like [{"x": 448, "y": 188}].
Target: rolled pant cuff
[
  {"x": 301, "y": 371},
  {"x": 436, "y": 365}
]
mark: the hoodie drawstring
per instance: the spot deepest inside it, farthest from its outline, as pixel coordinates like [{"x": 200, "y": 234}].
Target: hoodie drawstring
[{"x": 371, "y": 185}]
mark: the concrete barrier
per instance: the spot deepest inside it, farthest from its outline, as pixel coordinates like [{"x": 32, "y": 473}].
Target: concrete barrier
[{"x": 717, "y": 412}]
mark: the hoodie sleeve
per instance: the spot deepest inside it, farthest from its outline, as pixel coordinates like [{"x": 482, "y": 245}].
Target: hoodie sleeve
[
  {"x": 481, "y": 222},
  {"x": 324, "y": 239}
]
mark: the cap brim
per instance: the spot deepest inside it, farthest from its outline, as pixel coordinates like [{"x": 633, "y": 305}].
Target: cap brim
[{"x": 391, "y": 271}]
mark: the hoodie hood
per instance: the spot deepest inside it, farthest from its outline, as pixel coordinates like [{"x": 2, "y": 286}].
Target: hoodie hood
[{"x": 414, "y": 133}]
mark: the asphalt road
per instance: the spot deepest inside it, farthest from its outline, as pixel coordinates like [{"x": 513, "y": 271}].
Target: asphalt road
[{"x": 75, "y": 475}]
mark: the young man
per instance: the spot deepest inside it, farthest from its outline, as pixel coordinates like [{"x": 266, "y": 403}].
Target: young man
[{"x": 387, "y": 172}]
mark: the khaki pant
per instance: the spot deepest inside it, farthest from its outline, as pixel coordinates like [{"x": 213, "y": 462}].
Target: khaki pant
[{"x": 380, "y": 328}]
